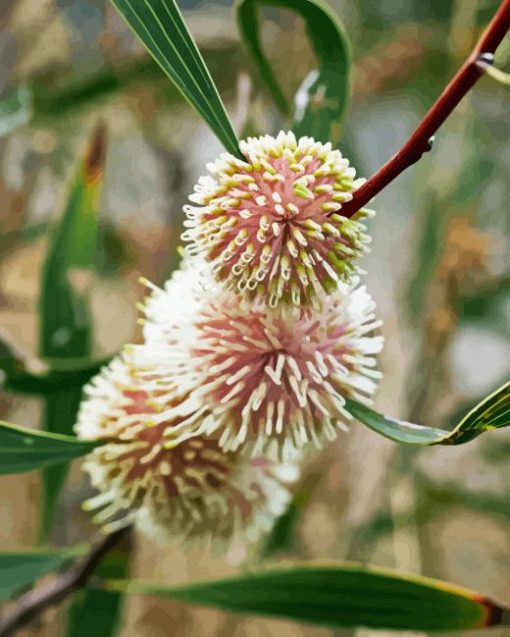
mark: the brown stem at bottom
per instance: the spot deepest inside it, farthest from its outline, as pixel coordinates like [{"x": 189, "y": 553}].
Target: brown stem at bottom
[
  {"x": 48, "y": 594},
  {"x": 421, "y": 140}
]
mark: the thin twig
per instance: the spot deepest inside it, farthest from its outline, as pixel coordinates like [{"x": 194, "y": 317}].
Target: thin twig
[
  {"x": 48, "y": 594},
  {"x": 421, "y": 140}
]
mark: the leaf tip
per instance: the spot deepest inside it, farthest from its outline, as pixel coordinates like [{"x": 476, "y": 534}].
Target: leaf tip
[
  {"x": 96, "y": 153},
  {"x": 495, "y": 615}
]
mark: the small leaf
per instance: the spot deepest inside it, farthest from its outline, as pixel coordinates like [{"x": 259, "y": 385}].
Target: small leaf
[
  {"x": 340, "y": 596},
  {"x": 322, "y": 98},
  {"x": 15, "y": 109},
  {"x": 25, "y": 449},
  {"x": 493, "y": 412},
  {"x": 21, "y": 568},
  {"x": 161, "y": 28},
  {"x": 283, "y": 535}
]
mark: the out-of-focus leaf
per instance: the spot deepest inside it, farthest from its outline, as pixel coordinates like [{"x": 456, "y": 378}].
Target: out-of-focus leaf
[
  {"x": 65, "y": 324},
  {"x": 493, "y": 412},
  {"x": 15, "y": 108},
  {"x": 55, "y": 96},
  {"x": 322, "y": 98},
  {"x": 25, "y": 449},
  {"x": 35, "y": 377},
  {"x": 20, "y": 568},
  {"x": 487, "y": 304},
  {"x": 65, "y": 319},
  {"x": 97, "y": 612},
  {"x": 427, "y": 255},
  {"x": 59, "y": 414},
  {"x": 340, "y": 596},
  {"x": 161, "y": 28},
  {"x": 283, "y": 536}
]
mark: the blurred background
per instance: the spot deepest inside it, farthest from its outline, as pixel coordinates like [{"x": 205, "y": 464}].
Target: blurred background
[{"x": 439, "y": 271}]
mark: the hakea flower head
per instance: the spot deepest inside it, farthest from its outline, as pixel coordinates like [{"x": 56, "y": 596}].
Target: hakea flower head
[
  {"x": 262, "y": 375},
  {"x": 170, "y": 486},
  {"x": 272, "y": 226}
]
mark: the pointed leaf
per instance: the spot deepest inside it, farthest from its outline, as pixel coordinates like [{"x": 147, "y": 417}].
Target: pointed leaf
[
  {"x": 161, "y": 28},
  {"x": 322, "y": 98},
  {"x": 493, "y": 412},
  {"x": 25, "y": 449},
  {"x": 340, "y": 596}
]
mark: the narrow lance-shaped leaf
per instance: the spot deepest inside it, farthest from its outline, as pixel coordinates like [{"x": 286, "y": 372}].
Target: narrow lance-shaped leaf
[
  {"x": 322, "y": 98},
  {"x": 493, "y": 412},
  {"x": 161, "y": 28},
  {"x": 65, "y": 323},
  {"x": 65, "y": 319},
  {"x": 24, "y": 449},
  {"x": 340, "y": 596}
]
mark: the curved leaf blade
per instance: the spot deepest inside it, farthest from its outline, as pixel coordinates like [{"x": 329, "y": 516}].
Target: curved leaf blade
[
  {"x": 25, "y": 449},
  {"x": 493, "y": 412},
  {"x": 321, "y": 100},
  {"x": 161, "y": 28},
  {"x": 340, "y": 596}
]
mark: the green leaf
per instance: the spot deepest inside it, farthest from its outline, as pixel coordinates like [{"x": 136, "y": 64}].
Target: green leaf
[
  {"x": 340, "y": 596},
  {"x": 25, "y": 449},
  {"x": 65, "y": 319},
  {"x": 493, "y": 412},
  {"x": 321, "y": 100},
  {"x": 59, "y": 416},
  {"x": 65, "y": 324},
  {"x": 283, "y": 535},
  {"x": 161, "y": 28},
  {"x": 21, "y": 568},
  {"x": 25, "y": 375},
  {"x": 15, "y": 108}
]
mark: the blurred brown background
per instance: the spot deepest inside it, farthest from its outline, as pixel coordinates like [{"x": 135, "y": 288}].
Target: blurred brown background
[{"x": 438, "y": 270}]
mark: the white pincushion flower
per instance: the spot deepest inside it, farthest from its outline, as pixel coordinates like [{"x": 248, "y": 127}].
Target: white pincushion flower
[
  {"x": 271, "y": 227},
  {"x": 261, "y": 375},
  {"x": 169, "y": 485}
]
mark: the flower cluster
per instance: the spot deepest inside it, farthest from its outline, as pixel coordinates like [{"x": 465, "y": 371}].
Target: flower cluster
[
  {"x": 249, "y": 352},
  {"x": 171, "y": 486},
  {"x": 271, "y": 227}
]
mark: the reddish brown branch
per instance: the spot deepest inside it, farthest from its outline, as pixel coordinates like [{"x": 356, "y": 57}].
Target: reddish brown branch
[
  {"x": 421, "y": 140},
  {"x": 48, "y": 594}
]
